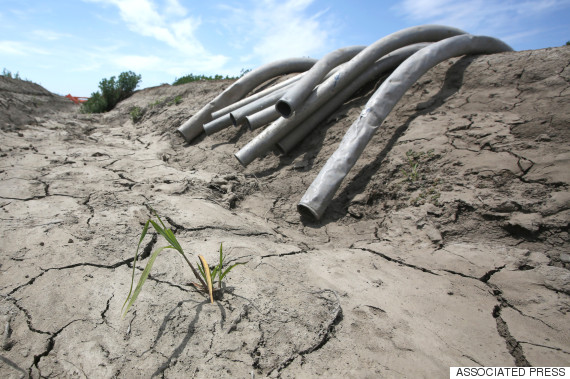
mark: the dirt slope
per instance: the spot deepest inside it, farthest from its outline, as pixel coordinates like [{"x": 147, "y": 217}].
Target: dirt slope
[{"x": 462, "y": 262}]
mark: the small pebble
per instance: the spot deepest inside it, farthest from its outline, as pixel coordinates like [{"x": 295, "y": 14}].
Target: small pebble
[{"x": 70, "y": 241}]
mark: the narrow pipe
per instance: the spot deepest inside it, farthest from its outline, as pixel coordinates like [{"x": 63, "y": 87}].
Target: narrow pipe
[
  {"x": 321, "y": 191},
  {"x": 334, "y": 84},
  {"x": 263, "y": 117},
  {"x": 295, "y": 96},
  {"x": 260, "y": 94},
  {"x": 238, "y": 115},
  {"x": 194, "y": 126},
  {"x": 385, "y": 64},
  {"x": 218, "y": 124}
]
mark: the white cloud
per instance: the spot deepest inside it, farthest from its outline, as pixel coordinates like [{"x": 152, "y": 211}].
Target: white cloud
[
  {"x": 476, "y": 16},
  {"x": 138, "y": 63},
  {"x": 279, "y": 29},
  {"x": 20, "y": 48},
  {"x": 50, "y": 35},
  {"x": 170, "y": 26}
]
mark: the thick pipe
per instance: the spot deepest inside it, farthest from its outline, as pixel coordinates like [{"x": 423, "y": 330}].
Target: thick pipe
[
  {"x": 194, "y": 126},
  {"x": 260, "y": 94},
  {"x": 385, "y": 64},
  {"x": 295, "y": 96},
  {"x": 334, "y": 84},
  {"x": 263, "y": 117},
  {"x": 321, "y": 191}
]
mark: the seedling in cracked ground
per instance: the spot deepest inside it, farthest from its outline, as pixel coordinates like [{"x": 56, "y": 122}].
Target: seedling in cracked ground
[{"x": 205, "y": 276}]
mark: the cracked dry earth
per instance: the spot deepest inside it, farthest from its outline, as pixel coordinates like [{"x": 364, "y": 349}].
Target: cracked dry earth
[{"x": 464, "y": 263}]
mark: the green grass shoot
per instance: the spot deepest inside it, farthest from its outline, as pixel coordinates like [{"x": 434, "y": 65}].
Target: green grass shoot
[{"x": 204, "y": 276}]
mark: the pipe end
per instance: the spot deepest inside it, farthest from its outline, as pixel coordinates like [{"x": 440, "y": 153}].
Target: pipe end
[
  {"x": 239, "y": 160},
  {"x": 234, "y": 120},
  {"x": 247, "y": 123},
  {"x": 308, "y": 212},
  {"x": 284, "y": 108}
]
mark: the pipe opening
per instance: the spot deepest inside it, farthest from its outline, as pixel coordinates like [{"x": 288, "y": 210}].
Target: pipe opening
[
  {"x": 307, "y": 212},
  {"x": 248, "y": 123},
  {"x": 283, "y": 108},
  {"x": 280, "y": 148},
  {"x": 234, "y": 120},
  {"x": 239, "y": 160}
]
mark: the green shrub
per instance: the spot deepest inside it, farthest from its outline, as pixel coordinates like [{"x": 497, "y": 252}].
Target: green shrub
[
  {"x": 8, "y": 74},
  {"x": 195, "y": 78},
  {"x": 177, "y": 100},
  {"x": 112, "y": 92},
  {"x": 136, "y": 113}
]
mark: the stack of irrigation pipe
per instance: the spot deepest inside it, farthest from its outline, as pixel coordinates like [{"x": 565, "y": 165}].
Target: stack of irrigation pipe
[
  {"x": 327, "y": 182},
  {"x": 270, "y": 136},
  {"x": 195, "y": 125},
  {"x": 296, "y": 106}
]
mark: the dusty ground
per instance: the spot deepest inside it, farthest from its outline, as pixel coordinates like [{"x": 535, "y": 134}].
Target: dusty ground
[{"x": 464, "y": 263}]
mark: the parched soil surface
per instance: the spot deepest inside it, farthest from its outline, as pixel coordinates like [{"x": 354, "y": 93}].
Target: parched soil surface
[{"x": 447, "y": 245}]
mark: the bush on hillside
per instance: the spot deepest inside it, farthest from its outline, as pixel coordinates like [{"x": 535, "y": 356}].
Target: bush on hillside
[
  {"x": 111, "y": 92},
  {"x": 195, "y": 78}
]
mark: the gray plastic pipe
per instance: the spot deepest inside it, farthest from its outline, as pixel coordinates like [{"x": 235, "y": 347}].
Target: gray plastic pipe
[
  {"x": 260, "y": 94},
  {"x": 295, "y": 96},
  {"x": 385, "y": 64},
  {"x": 218, "y": 124},
  {"x": 238, "y": 115},
  {"x": 334, "y": 84},
  {"x": 263, "y": 117},
  {"x": 321, "y": 191},
  {"x": 194, "y": 126}
]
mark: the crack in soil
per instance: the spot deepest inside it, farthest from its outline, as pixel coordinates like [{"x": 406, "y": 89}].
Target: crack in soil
[
  {"x": 49, "y": 348},
  {"x": 513, "y": 346},
  {"x": 325, "y": 334},
  {"x": 390, "y": 259}
]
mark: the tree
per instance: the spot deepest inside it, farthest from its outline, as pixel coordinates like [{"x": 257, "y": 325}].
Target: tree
[{"x": 112, "y": 92}]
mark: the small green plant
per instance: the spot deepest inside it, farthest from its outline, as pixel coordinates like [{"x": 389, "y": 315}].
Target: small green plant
[
  {"x": 177, "y": 100},
  {"x": 136, "y": 113},
  {"x": 218, "y": 270},
  {"x": 205, "y": 276},
  {"x": 415, "y": 160},
  {"x": 8, "y": 74},
  {"x": 156, "y": 103},
  {"x": 111, "y": 92}
]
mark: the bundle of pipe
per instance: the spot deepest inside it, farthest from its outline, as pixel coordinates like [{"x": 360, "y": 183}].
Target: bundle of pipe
[
  {"x": 195, "y": 125},
  {"x": 321, "y": 191},
  {"x": 300, "y": 103}
]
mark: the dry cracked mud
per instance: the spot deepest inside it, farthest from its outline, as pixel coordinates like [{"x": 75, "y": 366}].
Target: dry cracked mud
[{"x": 463, "y": 261}]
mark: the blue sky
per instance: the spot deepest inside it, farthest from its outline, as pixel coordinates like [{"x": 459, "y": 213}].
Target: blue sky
[{"x": 68, "y": 46}]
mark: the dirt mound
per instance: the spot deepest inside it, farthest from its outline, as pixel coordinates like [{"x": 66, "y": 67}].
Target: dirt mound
[
  {"x": 23, "y": 103},
  {"x": 447, "y": 245}
]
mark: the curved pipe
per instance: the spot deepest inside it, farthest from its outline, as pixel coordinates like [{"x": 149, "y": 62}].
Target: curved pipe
[
  {"x": 238, "y": 115},
  {"x": 259, "y": 95},
  {"x": 280, "y": 128},
  {"x": 321, "y": 191},
  {"x": 295, "y": 96},
  {"x": 387, "y": 63},
  {"x": 263, "y": 117},
  {"x": 194, "y": 126}
]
